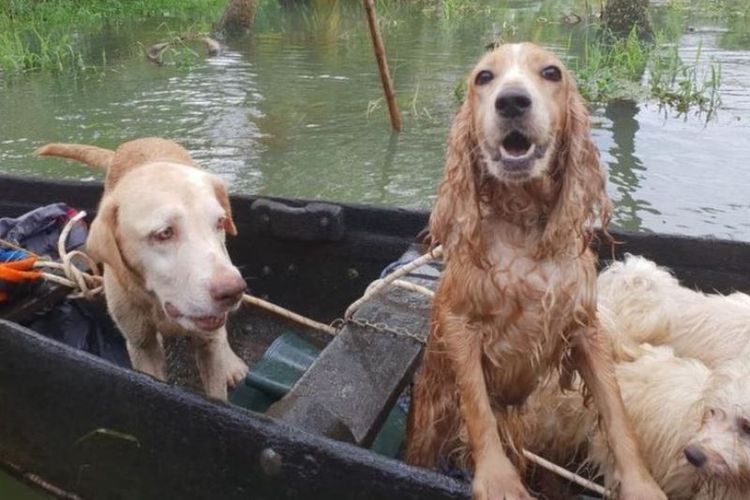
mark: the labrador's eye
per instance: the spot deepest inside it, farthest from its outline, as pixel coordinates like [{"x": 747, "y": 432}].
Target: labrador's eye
[
  {"x": 483, "y": 77},
  {"x": 165, "y": 234},
  {"x": 552, "y": 73}
]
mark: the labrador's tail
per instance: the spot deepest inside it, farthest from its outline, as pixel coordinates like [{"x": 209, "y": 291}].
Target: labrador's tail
[{"x": 90, "y": 155}]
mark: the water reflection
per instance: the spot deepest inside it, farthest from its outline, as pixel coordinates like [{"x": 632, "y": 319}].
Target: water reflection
[{"x": 625, "y": 168}]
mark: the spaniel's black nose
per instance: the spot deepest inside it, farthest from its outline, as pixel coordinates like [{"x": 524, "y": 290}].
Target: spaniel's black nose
[{"x": 512, "y": 103}]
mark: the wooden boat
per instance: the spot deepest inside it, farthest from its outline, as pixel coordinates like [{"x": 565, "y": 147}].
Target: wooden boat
[{"x": 102, "y": 431}]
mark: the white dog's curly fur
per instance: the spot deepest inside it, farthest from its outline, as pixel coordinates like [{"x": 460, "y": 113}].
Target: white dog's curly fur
[
  {"x": 688, "y": 399},
  {"x": 643, "y": 303}
]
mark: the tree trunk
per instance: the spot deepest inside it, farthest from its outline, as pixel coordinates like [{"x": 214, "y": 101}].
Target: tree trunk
[
  {"x": 238, "y": 17},
  {"x": 622, "y": 16}
]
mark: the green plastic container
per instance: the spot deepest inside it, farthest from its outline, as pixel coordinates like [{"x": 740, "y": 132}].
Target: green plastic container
[
  {"x": 283, "y": 363},
  {"x": 13, "y": 489}
]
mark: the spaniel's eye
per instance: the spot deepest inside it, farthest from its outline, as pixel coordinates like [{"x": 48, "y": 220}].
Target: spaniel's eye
[
  {"x": 552, "y": 73},
  {"x": 745, "y": 426},
  {"x": 483, "y": 77},
  {"x": 165, "y": 234},
  {"x": 221, "y": 224}
]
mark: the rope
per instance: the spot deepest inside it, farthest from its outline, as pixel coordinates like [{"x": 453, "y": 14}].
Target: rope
[
  {"x": 414, "y": 288},
  {"x": 286, "y": 313},
  {"x": 85, "y": 284},
  {"x": 83, "y": 281},
  {"x": 565, "y": 473},
  {"x": 13, "y": 246},
  {"x": 378, "y": 286}
]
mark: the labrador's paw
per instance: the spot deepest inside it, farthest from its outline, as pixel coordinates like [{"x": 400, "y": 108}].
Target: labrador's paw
[{"x": 236, "y": 369}]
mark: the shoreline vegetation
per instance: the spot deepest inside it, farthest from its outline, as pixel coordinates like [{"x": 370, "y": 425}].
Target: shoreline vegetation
[
  {"x": 46, "y": 34},
  {"x": 49, "y": 35}
]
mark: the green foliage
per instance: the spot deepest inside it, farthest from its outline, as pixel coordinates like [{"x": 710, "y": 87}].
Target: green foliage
[
  {"x": 614, "y": 69},
  {"x": 38, "y": 35},
  {"x": 447, "y": 9},
  {"x": 611, "y": 68},
  {"x": 95, "y": 11},
  {"x": 33, "y": 50},
  {"x": 681, "y": 86}
]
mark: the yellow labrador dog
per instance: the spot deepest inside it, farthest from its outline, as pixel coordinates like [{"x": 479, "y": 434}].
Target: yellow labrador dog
[{"x": 160, "y": 233}]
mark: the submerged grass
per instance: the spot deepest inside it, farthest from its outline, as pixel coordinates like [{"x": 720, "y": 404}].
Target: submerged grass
[
  {"x": 632, "y": 68},
  {"x": 682, "y": 86},
  {"x": 611, "y": 68},
  {"x": 38, "y": 35},
  {"x": 31, "y": 49}
]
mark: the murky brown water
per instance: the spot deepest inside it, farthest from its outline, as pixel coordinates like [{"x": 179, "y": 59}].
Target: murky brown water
[{"x": 285, "y": 111}]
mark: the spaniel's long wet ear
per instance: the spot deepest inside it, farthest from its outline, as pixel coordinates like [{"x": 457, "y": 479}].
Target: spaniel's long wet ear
[
  {"x": 455, "y": 216},
  {"x": 583, "y": 194},
  {"x": 101, "y": 243},
  {"x": 220, "y": 190}
]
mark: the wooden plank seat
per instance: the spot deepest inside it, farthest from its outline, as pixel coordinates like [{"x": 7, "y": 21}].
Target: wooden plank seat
[{"x": 349, "y": 390}]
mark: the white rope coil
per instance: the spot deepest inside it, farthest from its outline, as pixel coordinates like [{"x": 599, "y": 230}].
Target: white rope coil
[
  {"x": 378, "y": 286},
  {"x": 89, "y": 283},
  {"x": 86, "y": 284}
]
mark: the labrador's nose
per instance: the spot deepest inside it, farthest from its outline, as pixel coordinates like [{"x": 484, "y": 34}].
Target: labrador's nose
[
  {"x": 695, "y": 455},
  {"x": 513, "y": 103},
  {"x": 227, "y": 288}
]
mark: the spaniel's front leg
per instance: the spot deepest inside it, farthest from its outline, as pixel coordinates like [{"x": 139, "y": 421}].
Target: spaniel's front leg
[
  {"x": 495, "y": 477},
  {"x": 593, "y": 358}
]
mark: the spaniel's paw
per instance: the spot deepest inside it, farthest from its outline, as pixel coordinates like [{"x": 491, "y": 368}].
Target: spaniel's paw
[{"x": 499, "y": 486}]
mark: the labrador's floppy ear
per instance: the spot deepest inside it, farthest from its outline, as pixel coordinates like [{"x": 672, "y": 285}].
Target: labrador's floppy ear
[
  {"x": 220, "y": 190},
  {"x": 102, "y": 244}
]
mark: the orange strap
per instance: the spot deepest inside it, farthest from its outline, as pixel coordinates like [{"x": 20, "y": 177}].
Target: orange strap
[{"x": 19, "y": 270}]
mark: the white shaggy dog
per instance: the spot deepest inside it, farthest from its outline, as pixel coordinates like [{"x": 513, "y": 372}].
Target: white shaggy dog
[
  {"x": 688, "y": 399},
  {"x": 692, "y": 424},
  {"x": 642, "y": 302}
]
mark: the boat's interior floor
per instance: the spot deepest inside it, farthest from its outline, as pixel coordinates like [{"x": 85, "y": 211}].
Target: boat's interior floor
[{"x": 251, "y": 332}]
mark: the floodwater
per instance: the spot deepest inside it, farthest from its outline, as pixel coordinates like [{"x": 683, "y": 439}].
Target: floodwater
[{"x": 295, "y": 109}]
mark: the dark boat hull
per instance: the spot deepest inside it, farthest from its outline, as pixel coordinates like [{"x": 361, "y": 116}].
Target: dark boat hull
[
  {"x": 186, "y": 447},
  {"x": 171, "y": 443}
]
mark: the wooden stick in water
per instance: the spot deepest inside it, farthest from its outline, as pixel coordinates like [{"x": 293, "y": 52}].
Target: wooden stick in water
[{"x": 385, "y": 75}]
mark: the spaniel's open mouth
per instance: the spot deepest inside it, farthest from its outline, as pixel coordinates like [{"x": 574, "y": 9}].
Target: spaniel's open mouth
[
  {"x": 206, "y": 323},
  {"x": 517, "y": 152},
  {"x": 516, "y": 145}
]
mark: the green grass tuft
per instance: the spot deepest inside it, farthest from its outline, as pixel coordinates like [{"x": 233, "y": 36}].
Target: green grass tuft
[
  {"x": 635, "y": 69},
  {"x": 36, "y": 35}
]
